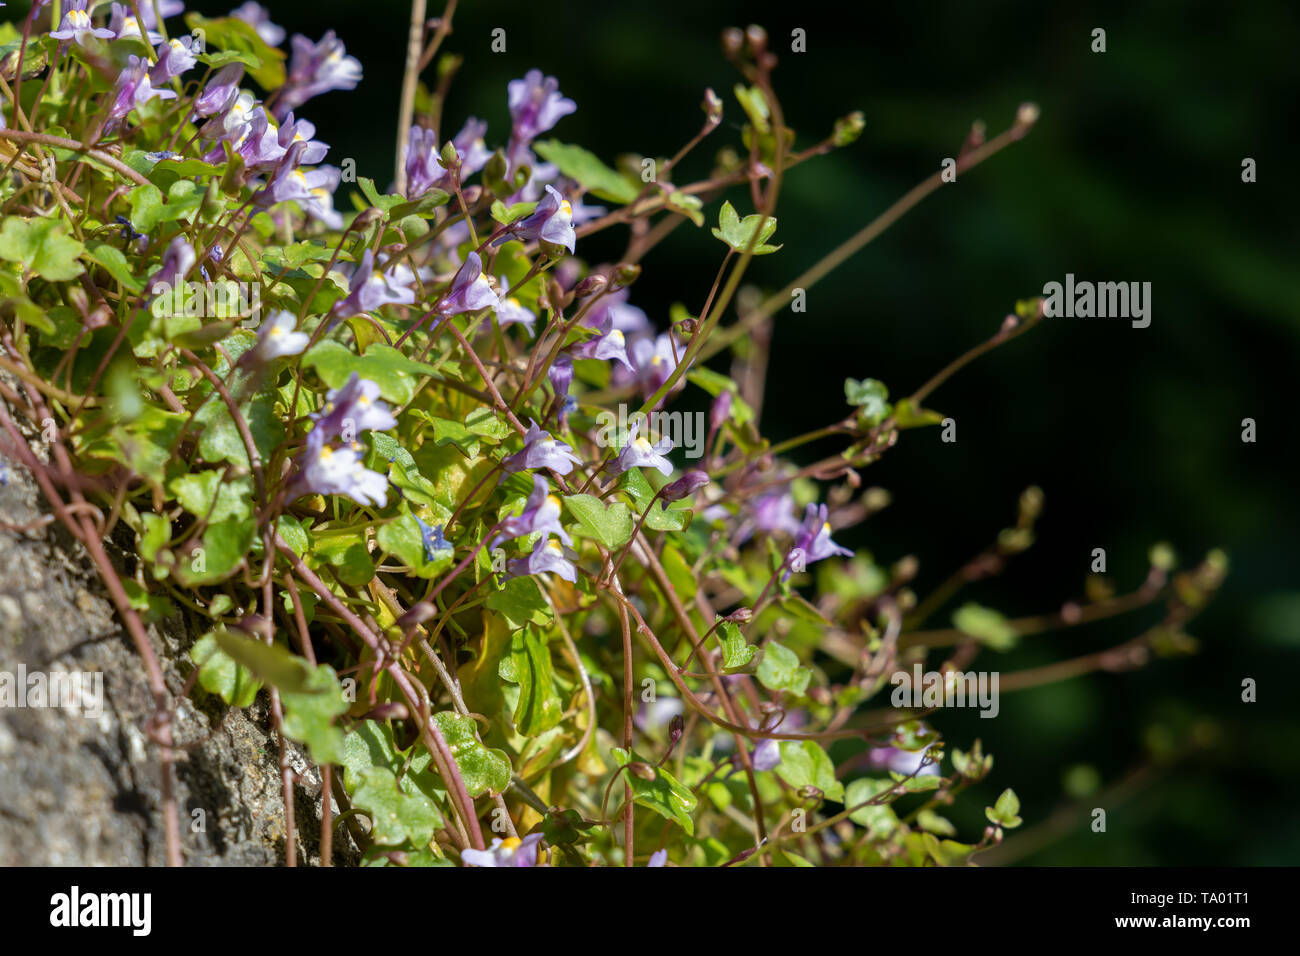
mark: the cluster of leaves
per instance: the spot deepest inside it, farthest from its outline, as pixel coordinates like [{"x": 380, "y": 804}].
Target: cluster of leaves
[{"x": 677, "y": 656}]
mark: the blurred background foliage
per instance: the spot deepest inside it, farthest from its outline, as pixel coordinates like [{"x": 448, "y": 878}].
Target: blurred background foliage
[{"x": 1133, "y": 173}]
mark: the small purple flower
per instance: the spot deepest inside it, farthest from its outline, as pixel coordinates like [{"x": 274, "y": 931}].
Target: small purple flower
[
  {"x": 509, "y": 852},
  {"x": 547, "y": 557},
  {"x": 551, "y": 221},
  {"x": 277, "y": 338},
  {"x": 471, "y": 148},
  {"x": 905, "y": 762},
  {"x": 177, "y": 262},
  {"x": 469, "y": 291},
  {"x": 432, "y": 539},
  {"x": 814, "y": 537},
  {"x": 774, "y": 514},
  {"x": 174, "y": 58},
  {"x": 614, "y": 310},
  {"x": 639, "y": 453},
  {"x": 353, "y": 409},
  {"x": 316, "y": 68},
  {"x": 767, "y": 754},
  {"x": 423, "y": 165},
  {"x": 124, "y": 24},
  {"x": 542, "y": 451},
  {"x": 561, "y": 374},
  {"x": 327, "y": 470},
  {"x": 221, "y": 91},
  {"x": 259, "y": 142},
  {"x": 535, "y": 106},
  {"x": 295, "y": 131},
  {"x": 231, "y": 123},
  {"x": 656, "y": 361},
  {"x": 658, "y": 858},
  {"x": 541, "y": 514},
  {"x": 76, "y": 25},
  {"x": 609, "y": 344},
  {"x": 370, "y": 288},
  {"x": 511, "y": 312},
  {"x": 134, "y": 89},
  {"x": 259, "y": 18}
]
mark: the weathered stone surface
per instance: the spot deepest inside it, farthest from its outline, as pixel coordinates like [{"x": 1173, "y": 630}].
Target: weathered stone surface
[{"x": 78, "y": 789}]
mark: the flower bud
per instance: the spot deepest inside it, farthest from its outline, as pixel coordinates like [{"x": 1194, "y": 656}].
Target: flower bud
[
  {"x": 624, "y": 275},
  {"x": 712, "y": 107},
  {"x": 720, "y": 410},
  {"x": 686, "y": 485},
  {"x": 594, "y": 283},
  {"x": 756, "y": 37},
  {"x": 642, "y": 770},
  {"x": 741, "y": 615},
  {"x": 732, "y": 41},
  {"x": 848, "y": 128},
  {"x": 676, "y": 727}
]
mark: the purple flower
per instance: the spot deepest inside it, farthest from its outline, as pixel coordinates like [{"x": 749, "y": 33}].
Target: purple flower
[
  {"x": 658, "y": 858},
  {"x": 124, "y": 24},
  {"x": 221, "y": 91},
  {"x": 547, "y": 557},
  {"x": 231, "y": 122},
  {"x": 542, "y": 451},
  {"x": 551, "y": 221},
  {"x": 177, "y": 262},
  {"x": 259, "y": 142},
  {"x": 423, "y": 165},
  {"x": 773, "y": 513},
  {"x": 535, "y": 106},
  {"x": 656, "y": 361},
  {"x": 277, "y": 337},
  {"x": 469, "y": 291},
  {"x": 327, "y": 470},
  {"x": 294, "y": 131},
  {"x": 609, "y": 344},
  {"x": 353, "y": 409},
  {"x": 316, "y": 68},
  {"x": 639, "y": 453},
  {"x": 767, "y": 754},
  {"x": 76, "y": 25},
  {"x": 471, "y": 148},
  {"x": 259, "y": 18},
  {"x": 541, "y": 514},
  {"x": 561, "y": 374},
  {"x": 814, "y": 537},
  {"x": 432, "y": 539},
  {"x": 511, "y": 312},
  {"x": 614, "y": 310},
  {"x": 174, "y": 58},
  {"x": 905, "y": 762},
  {"x": 370, "y": 288},
  {"x": 509, "y": 852},
  {"x": 133, "y": 89}
]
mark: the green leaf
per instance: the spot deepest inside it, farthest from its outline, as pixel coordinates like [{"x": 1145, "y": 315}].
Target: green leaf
[
  {"x": 676, "y": 517},
  {"x": 115, "y": 264},
  {"x": 611, "y": 525},
  {"x": 212, "y": 495},
  {"x": 986, "y": 625},
  {"x": 483, "y": 770},
  {"x": 271, "y": 663},
  {"x": 870, "y": 396},
  {"x": 220, "y": 674},
  {"x": 402, "y": 538},
  {"x": 735, "y": 652},
  {"x": 528, "y": 664},
  {"x": 225, "y": 545},
  {"x": 688, "y": 205},
  {"x": 43, "y": 246},
  {"x": 220, "y": 440},
  {"x": 1005, "y": 813},
  {"x": 394, "y": 373},
  {"x": 347, "y": 554},
  {"x": 805, "y": 764},
  {"x": 309, "y": 716},
  {"x": 908, "y": 415},
  {"x": 878, "y": 818},
  {"x": 584, "y": 167},
  {"x": 396, "y": 817},
  {"x": 780, "y": 669},
  {"x": 738, "y": 233},
  {"x": 520, "y": 601},
  {"x": 663, "y": 793}
]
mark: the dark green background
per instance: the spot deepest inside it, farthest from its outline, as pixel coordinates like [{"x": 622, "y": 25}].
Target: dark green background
[{"x": 1132, "y": 174}]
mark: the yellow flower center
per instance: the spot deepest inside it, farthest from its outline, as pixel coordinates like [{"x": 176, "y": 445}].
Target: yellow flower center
[
  {"x": 510, "y": 843},
  {"x": 78, "y": 20},
  {"x": 513, "y": 301},
  {"x": 566, "y": 208},
  {"x": 326, "y": 453}
]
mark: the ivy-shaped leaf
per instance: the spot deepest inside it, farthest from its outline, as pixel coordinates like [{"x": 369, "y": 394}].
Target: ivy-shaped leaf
[
  {"x": 483, "y": 770},
  {"x": 804, "y": 763},
  {"x": 735, "y": 652},
  {"x": 738, "y": 233},
  {"x": 394, "y": 373},
  {"x": 780, "y": 669},
  {"x": 588, "y": 171},
  {"x": 662, "y": 793},
  {"x": 221, "y": 674},
  {"x": 309, "y": 716},
  {"x": 611, "y": 524},
  {"x": 43, "y": 246}
]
